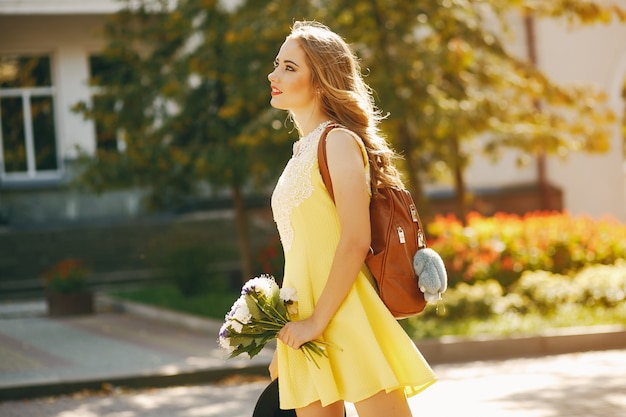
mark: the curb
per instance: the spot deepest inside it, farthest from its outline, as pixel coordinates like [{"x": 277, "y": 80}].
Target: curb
[
  {"x": 197, "y": 377},
  {"x": 446, "y": 349},
  {"x": 450, "y": 349}
]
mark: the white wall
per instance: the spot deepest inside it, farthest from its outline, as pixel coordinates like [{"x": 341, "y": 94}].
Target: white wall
[
  {"x": 593, "y": 184},
  {"x": 484, "y": 172}
]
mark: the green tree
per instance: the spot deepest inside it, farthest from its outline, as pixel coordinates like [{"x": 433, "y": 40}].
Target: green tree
[
  {"x": 187, "y": 91},
  {"x": 442, "y": 70},
  {"x": 187, "y": 94}
]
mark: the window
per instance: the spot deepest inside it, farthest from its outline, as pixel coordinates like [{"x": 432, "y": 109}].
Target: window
[
  {"x": 101, "y": 71},
  {"x": 28, "y": 140}
]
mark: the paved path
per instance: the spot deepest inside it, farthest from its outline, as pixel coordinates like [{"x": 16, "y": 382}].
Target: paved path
[
  {"x": 589, "y": 384},
  {"x": 42, "y": 356}
]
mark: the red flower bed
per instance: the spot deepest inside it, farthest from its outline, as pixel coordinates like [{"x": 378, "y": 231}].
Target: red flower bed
[{"x": 505, "y": 245}]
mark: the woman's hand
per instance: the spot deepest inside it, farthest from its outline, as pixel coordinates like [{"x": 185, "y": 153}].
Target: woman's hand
[{"x": 296, "y": 333}]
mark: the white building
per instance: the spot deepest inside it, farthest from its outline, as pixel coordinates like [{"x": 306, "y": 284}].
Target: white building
[
  {"x": 60, "y": 40},
  {"x": 594, "y": 55},
  {"x": 593, "y": 184}
]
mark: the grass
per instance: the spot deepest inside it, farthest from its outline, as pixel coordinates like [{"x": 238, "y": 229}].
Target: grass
[
  {"x": 213, "y": 304},
  {"x": 217, "y": 303},
  {"x": 567, "y": 315}
]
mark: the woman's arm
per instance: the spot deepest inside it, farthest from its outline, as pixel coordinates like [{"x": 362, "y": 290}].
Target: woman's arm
[{"x": 346, "y": 167}]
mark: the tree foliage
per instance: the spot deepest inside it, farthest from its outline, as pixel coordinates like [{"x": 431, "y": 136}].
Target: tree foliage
[
  {"x": 187, "y": 96},
  {"x": 187, "y": 92},
  {"x": 188, "y": 100},
  {"x": 443, "y": 71}
]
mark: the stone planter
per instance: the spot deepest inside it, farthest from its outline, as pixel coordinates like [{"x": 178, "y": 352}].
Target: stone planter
[{"x": 70, "y": 304}]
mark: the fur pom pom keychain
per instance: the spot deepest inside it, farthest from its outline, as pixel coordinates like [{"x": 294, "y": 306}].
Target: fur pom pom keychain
[{"x": 433, "y": 279}]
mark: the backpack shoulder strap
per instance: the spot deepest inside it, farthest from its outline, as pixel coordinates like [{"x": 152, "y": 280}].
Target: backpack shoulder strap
[{"x": 321, "y": 159}]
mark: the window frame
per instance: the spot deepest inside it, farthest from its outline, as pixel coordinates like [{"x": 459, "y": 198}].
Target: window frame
[
  {"x": 26, "y": 93},
  {"x": 98, "y": 92}
]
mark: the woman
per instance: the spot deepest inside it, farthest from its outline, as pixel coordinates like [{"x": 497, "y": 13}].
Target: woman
[{"x": 371, "y": 361}]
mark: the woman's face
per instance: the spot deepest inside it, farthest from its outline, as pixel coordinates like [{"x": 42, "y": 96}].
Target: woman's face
[{"x": 291, "y": 79}]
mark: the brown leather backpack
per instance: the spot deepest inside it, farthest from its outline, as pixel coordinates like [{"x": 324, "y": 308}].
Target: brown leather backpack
[{"x": 397, "y": 234}]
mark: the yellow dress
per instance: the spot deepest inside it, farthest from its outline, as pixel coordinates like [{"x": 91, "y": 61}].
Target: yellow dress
[{"x": 371, "y": 352}]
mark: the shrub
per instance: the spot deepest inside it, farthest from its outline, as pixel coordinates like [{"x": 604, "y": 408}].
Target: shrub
[
  {"x": 473, "y": 300},
  {"x": 192, "y": 269},
  {"x": 595, "y": 295},
  {"x": 502, "y": 247},
  {"x": 594, "y": 286},
  {"x": 539, "y": 291},
  {"x": 602, "y": 285},
  {"x": 542, "y": 290}
]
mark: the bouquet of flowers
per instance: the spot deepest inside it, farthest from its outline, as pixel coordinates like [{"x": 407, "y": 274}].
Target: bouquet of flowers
[{"x": 258, "y": 315}]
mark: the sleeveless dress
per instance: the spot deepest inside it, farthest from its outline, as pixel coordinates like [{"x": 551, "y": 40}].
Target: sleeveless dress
[{"x": 370, "y": 351}]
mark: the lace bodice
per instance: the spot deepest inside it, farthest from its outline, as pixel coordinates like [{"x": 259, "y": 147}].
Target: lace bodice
[{"x": 294, "y": 185}]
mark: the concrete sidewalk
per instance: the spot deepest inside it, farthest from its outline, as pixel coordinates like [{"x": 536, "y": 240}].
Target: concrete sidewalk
[
  {"x": 146, "y": 347},
  {"x": 42, "y": 356},
  {"x": 590, "y": 384}
]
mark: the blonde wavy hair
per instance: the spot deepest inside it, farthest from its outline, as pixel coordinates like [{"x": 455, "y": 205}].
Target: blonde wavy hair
[{"x": 345, "y": 97}]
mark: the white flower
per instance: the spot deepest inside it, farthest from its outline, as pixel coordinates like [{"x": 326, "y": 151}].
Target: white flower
[
  {"x": 239, "y": 312},
  {"x": 256, "y": 317},
  {"x": 288, "y": 294},
  {"x": 223, "y": 338},
  {"x": 264, "y": 285},
  {"x": 236, "y": 326}
]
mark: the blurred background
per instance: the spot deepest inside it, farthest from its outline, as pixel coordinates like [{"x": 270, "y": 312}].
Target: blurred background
[{"x": 138, "y": 150}]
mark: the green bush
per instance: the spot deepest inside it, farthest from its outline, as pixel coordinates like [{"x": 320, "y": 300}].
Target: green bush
[
  {"x": 542, "y": 291},
  {"x": 472, "y": 300},
  {"x": 213, "y": 304},
  {"x": 192, "y": 269},
  {"x": 539, "y": 291},
  {"x": 595, "y": 295},
  {"x": 595, "y": 285},
  {"x": 603, "y": 285}
]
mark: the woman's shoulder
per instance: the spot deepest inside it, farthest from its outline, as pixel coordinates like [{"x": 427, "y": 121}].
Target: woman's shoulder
[
  {"x": 341, "y": 140},
  {"x": 342, "y": 133}
]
